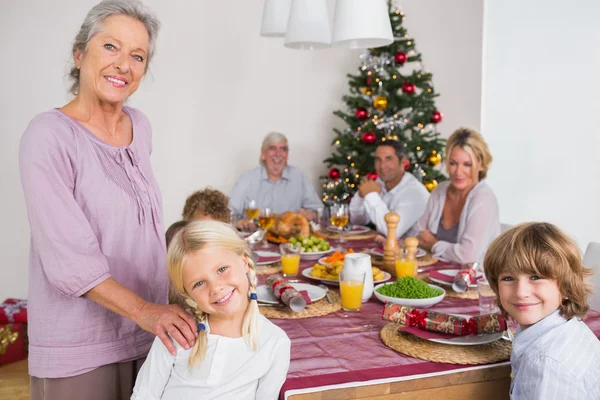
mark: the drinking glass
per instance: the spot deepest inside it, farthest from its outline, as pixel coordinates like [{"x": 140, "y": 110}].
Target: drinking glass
[
  {"x": 251, "y": 209},
  {"x": 265, "y": 221},
  {"x": 290, "y": 261},
  {"x": 487, "y": 297},
  {"x": 351, "y": 289},
  {"x": 338, "y": 216}
]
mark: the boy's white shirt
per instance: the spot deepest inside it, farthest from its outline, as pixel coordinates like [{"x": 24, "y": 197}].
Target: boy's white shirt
[
  {"x": 230, "y": 370},
  {"x": 555, "y": 359}
]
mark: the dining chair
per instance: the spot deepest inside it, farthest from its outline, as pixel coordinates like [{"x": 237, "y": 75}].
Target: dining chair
[{"x": 591, "y": 259}]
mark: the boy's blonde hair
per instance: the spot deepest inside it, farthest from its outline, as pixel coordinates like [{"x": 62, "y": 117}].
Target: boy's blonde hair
[
  {"x": 209, "y": 202},
  {"x": 540, "y": 248},
  {"x": 200, "y": 235},
  {"x": 472, "y": 142}
]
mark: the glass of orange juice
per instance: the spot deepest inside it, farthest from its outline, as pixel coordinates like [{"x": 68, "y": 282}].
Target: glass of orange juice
[
  {"x": 406, "y": 265},
  {"x": 351, "y": 289},
  {"x": 290, "y": 261}
]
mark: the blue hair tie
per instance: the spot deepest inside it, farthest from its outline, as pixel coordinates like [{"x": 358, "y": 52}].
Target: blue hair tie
[
  {"x": 201, "y": 327},
  {"x": 253, "y": 296}
]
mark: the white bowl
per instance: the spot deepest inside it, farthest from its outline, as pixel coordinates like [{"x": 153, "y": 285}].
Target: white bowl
[
  {"x": 419, "y": 303},
  {"x": 315, "y": 255}
]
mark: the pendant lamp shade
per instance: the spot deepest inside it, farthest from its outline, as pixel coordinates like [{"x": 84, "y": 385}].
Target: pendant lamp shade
[
  {"x": 308, "y": 25},
  {"x": 275, "y": 18},
  {"x": 362, "y": 24}
]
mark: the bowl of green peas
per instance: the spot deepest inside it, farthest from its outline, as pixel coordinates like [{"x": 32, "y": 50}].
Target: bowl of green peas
[{"x": 409, "y": 291}]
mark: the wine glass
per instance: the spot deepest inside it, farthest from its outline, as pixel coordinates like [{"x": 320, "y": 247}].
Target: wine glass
[
  {"x": 251, "y": 209},
  {"x": 265, "y": 221},
  {"x": 338, "y": 217}
]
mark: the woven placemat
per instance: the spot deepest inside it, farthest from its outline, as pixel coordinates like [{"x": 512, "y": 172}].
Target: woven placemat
[
  {"x": 317, "y": 309},
  {"x": 268, "y": 270},
  {"x": 416, "y": 347},
  {"x": 334, "y": 235},
  {"x": 471, "y": 294}
]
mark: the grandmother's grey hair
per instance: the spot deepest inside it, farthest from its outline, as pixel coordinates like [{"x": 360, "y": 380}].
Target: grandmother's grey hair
[
  {"x": 93, "y": 24},
  {"x": 272, "y": 137}
]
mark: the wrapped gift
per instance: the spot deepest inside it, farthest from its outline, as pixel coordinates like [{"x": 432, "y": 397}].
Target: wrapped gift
[
  {"x": 444, "y": 323},
  {"x": 286, "y": 293},
  {"x": 13, "y": 310},
  {"x": 13, "y": 343}
]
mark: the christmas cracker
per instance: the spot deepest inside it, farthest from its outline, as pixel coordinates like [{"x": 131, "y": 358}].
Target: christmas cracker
[{"x": 286, "y": 293}]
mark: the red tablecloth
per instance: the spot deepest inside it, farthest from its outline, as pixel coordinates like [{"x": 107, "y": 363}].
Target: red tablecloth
[{"x": 346, "y": 347}]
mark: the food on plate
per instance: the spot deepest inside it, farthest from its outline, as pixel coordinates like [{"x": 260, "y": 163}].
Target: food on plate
[
  {"x": 310, "y": 244},
  {"x": 290, "y": 224},
  {"x": 337, "y": 256},
  {"x": 333, "y": 271},
  {"x": 409, "y": 288}
]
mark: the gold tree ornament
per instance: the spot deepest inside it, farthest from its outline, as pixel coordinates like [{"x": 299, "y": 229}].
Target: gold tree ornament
[
  {"x": 366, "y": 90},
  {"x": 434, "y": 158},
  {"x": 430, "y": 184},
  {"x": 380, "y": 103},
  {"x": 7, "y": 337}
]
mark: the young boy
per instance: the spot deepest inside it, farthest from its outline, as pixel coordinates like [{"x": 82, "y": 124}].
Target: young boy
[
  {"x": 536, "y": 271},
  {"x": 208, "y": 204}
]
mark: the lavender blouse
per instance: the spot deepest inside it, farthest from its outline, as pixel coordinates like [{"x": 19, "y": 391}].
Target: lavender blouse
[{"x": 95, "y": 212}]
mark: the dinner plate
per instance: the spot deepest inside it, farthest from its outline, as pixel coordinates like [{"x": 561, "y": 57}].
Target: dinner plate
[
  {"x": 315, "y": 255},
  {"x": 452, "y": 273},
  {"x": 333, "y": 282},
  {"x": 355, "y": 230},
  {"x": 266, "y": 257},
  {"x": 315, "y": 293},
  {"x": 377, "y": 251}
]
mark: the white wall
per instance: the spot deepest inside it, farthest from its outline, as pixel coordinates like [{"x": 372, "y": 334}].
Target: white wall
[
  {"x": 216, "y": 87},
  {"x": 541, "y": 93}
]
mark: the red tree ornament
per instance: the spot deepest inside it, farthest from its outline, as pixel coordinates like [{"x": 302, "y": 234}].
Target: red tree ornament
[
  {"x": 361, "y": 113},
  {"x": 408, "y": 87},
  {"x": 334, "y": 174},
  {"x": 371, "y": 175},
  {"x": 406, "y": 164},
  {"x": 368, "y": 81},
  {"x": 436, "y": 117},
  {"x": 368, "y": 137},
  {"x": 400, "y": 57}
]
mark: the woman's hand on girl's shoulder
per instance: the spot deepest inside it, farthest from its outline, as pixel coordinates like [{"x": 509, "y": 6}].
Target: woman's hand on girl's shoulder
[{"x": 166, "y": 321}]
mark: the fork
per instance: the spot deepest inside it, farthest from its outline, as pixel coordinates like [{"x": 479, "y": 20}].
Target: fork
[{"x": 327, "y": 294}]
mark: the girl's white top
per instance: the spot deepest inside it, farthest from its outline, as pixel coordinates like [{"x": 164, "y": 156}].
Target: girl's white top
[
  {"x": 230, "y": 370},
  {"x": 478, "y": 226}
]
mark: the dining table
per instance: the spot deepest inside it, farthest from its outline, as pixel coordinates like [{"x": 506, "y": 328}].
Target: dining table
[{"x": 342, "y": 356}]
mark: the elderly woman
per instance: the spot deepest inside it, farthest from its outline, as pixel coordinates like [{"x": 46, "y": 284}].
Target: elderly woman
[
  {"x": 461, "y": 218},
  {"x": 274, "y": 184},
  {"x": 97, "y": 273}
]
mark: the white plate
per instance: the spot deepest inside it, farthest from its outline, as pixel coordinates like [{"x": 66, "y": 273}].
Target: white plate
[
  {"x": 379, "y": 253},
  {"x": 315, "y": 293},
  {"x": 315, "y": 255},
  {"x": 452, "y": 273},
  {"x": 333, "y": 282},
  {"x": 469, "y": 340},
  {"x": 355, "y": 230},
  {"x": 421, "y": 303},
  {"x": 261, "y": 253}
]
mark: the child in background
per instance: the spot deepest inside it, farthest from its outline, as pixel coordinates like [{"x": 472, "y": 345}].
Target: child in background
[
  {"x": 537, "y": 273},
  {"x": 239, "y": 354},
  {"x": 208, "y": 204}
]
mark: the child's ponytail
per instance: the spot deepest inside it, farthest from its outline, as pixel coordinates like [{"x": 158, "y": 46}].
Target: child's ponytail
[
  {"x": 199, "y": 349},
  {"x": 250, "y": 324}
]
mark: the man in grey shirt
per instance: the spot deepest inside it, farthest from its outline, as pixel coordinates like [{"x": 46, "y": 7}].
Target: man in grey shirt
[{"x": 274, "y": 184}]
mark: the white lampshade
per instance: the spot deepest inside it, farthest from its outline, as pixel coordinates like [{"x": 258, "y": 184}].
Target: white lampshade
[
  {"x": 275, "y": 18},
  {"x": 308, "y": 26},
  {"x": 362, "y": 24}
]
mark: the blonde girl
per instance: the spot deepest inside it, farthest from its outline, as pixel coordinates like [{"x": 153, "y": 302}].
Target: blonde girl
[{"x": 239, "y": 354}]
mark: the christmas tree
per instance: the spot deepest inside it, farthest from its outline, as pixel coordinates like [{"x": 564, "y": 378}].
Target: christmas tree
[{"x": 391, "y": 98}]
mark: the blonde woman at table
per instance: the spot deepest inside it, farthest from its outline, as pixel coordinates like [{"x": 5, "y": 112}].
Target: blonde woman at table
[
  {"x": 461, "y": 218},
  {"x": 538, "y": 276},
  {"x": 239, "y": 354}
]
